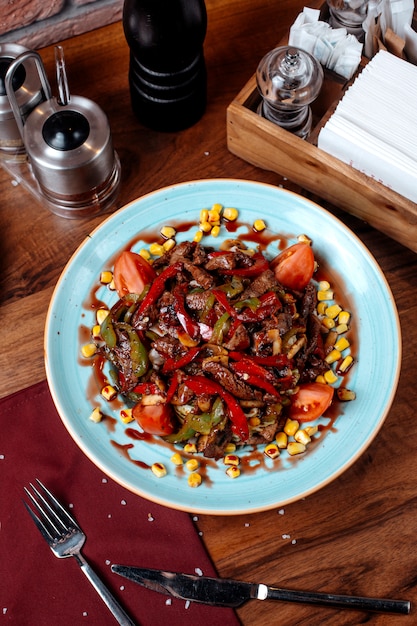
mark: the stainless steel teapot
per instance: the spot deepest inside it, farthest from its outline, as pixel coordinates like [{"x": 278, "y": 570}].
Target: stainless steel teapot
[{"x": 68, "y": 144}]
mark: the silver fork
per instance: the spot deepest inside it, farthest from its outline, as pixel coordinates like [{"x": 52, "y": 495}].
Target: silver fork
[{"x": 65, "y": 538}]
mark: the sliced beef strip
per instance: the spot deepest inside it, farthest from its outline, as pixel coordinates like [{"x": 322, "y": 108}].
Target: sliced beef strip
[
  {"x": 230, "y": 382},
  {"x": 261, "y": 284}
]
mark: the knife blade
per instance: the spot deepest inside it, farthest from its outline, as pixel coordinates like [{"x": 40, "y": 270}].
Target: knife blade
[{"x": 233, "y": 593}]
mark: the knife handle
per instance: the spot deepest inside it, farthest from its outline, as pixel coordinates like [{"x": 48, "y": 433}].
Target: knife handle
[{"x": 379, "y": 605}]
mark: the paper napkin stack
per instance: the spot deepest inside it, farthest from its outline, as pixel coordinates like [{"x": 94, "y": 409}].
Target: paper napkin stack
[{"x": 374, "y": 127}]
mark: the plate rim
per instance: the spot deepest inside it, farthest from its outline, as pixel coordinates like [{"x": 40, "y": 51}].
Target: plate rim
[{"x": 196, "y": 509}]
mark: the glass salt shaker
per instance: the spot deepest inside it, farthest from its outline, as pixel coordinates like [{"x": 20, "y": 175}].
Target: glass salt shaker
[
  {"x": 289, "y": 80},
  {"x": 349, "y": 14}
]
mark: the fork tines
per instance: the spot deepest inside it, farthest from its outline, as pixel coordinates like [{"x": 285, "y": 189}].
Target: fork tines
[{"x": 52, "y": 519}]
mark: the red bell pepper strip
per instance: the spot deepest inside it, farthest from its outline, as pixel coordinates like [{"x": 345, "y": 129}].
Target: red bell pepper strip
[
  {"x": 173, "y": 386},
  {"x": 185, "y": 319},
  {"x": 173, "y": 364},
  {"x": 277, "y": 360},
  {"x": 257, "y": 381},
  {"x": 245, "y": 366},
  {"x": 147, "y": 389},
  {"x": 201, "y": 384},
  {"x": 157, "y": 288},
  {"x": 260, "y": 265},
  {"x": 224, "y": 301}
]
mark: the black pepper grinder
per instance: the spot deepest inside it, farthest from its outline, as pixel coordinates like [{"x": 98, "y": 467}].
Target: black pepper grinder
[{"x": 167, "y": 72}]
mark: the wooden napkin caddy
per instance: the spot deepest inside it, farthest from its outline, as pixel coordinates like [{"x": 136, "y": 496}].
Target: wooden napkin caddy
[{"x": 266, "y": 145}]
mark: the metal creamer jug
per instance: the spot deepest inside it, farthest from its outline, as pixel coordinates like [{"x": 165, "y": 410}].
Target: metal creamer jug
[{"x": 69, "y": 146}]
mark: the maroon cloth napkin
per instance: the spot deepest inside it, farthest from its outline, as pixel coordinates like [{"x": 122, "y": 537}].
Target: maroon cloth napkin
[{"x": 39, "y": 589}]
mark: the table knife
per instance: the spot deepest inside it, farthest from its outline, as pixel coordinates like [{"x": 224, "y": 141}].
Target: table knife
[{"x": 233, "y": 593}]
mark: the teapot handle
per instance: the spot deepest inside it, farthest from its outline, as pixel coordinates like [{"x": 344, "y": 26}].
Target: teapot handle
[{"x": 9, "y": 85}]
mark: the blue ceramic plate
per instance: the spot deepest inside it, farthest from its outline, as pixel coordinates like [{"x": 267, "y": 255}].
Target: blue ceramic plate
[{"x": 355, "y": 276}]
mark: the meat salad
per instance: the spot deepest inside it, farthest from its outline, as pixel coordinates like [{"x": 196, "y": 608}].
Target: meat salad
[{"x": 218, "y": 346}]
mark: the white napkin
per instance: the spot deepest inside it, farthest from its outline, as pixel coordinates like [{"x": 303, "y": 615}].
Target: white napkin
[{"x": 373, "y": 128}]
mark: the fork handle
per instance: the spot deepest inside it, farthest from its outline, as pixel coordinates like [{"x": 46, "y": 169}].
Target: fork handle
[{"x": 119, "y": 613}]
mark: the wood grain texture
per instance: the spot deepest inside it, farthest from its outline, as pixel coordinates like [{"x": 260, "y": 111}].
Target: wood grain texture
[{"x": 357, "y": 535}]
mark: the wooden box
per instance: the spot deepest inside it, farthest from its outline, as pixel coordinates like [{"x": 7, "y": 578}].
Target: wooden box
[{"x": 270, "y": 147}]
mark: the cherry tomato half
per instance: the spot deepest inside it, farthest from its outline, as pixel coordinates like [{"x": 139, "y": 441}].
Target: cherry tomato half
[
  {"x": 311, "y": 401},
  {"x": 131, "y": 273},
  {"x": 155, "y": 419},
  {"x": 294, "y": 267}
]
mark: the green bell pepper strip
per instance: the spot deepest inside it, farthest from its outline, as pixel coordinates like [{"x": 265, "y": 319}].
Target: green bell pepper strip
[
  {"x": 219, "y": 329},
  {"x": 108, "y": 333},
  {"x": 203, "y": 385},
  {"x": 138, "y": 353}
]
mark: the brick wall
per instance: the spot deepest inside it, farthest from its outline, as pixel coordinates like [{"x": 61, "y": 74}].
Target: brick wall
[{"x": 39, "y": 23}]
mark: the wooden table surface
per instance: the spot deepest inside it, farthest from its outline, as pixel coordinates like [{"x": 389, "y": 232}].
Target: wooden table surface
[{"x": 357, "y": 534}]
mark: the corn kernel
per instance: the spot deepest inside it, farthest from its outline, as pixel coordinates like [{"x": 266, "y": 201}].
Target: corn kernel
[
  {"x": 106, "y": 277},
  {"x": 295, "y": 447},
  {"x": 344, "y": 317},
  {"x": 271, "y": 450},
  {"x": 345, "y": 395},
  {"x": 233, "y": 471},
  {"x": 205, "y": 227},
  {"x": 168, "y": 245},
  {"x": 254, "y": 421},
  {"x": 330, "y": 377},
  {"x": 204, "y": 215},
  {"x": 145, "y": 254},
  {"x": 156, "y": 249},
  {"x": 320, "y": 379},
  {"x": 341, "y": 328},
  {"x": 108, "y": 392},
  {"x": 304, "y": 239},
  {"x": 231, "y": 459},
  {"x": 192, "y": 465},
  {"x": 96, "y": 415},
  {"x": 259, "y": 225},
  {"x": 176, "y": 459},
  {"x": 333, "y": 356},
  {"x": 215, "y": 231},
  {"x": 101, "y": 315},
  {"x": 217, "y": 207},
  {"x": 324, "y": 285},
  {"x": 326, "y": 294},
  {"x": 230, "y": 214},
  {"x": 158, "y": 469},
  {"x": 333, "y": 311},
  {"x": 194, "y": 479},
  {"x": 341, "y": 344},
  {"x": 198, "y": 236},
  {"x": 321, "y": 308},
  {"x": 346, "y": 364},
  {"x": 282, "y": 440},
  {"x": 112, "y": 285},
  {"x": 126, "y": 416},
  {"x": 214, "y": 216},
  {"x": 328, "y": 323},
  {"x": 190, "y": 448},
  {"x": 311, "y": 430},
  {"x": 291, "y": 427},
  {"x": 95, "y": 332},
  {"x": 302, "y": 436},
  {"x": 89, "y": 350},
  {"x": 168, "y": 232},
  {"x": 230, "y": 447}
]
